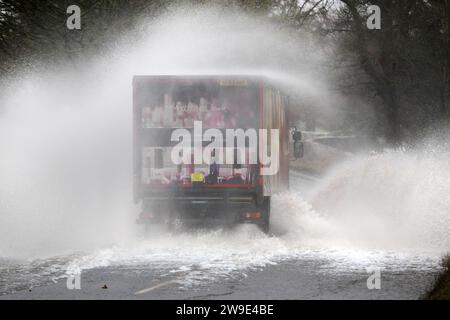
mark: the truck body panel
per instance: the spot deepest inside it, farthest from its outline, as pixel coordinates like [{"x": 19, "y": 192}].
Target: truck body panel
[{"x": 231, "y": 192}]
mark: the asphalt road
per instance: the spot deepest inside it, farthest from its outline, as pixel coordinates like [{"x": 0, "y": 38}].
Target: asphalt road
[{"x": 296, "y": 279}]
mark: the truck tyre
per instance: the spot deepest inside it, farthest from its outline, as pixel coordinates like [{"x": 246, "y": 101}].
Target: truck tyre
[
  {"x": 174, "y": 221},
  {"x": 264, "y": 224}
]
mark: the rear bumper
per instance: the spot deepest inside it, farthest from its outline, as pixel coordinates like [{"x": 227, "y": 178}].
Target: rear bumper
[{"x": 199, "y": 206}]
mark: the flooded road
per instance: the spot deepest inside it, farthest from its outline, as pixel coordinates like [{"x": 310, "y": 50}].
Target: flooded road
[
  {"x": 308, "y": 277},
  {"x": 304, "y": 258}
]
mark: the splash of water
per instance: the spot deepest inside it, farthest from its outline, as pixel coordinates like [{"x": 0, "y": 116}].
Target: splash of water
[
  {"x": 397, "y": 200},
  {"x": 65, "y": 135},
  {"x": 65, "y": 169}
]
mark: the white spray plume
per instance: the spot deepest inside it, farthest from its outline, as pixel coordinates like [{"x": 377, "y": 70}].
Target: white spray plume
[
  {"x": 65, "y": 149},
  {"x": 65, "y": 135}
]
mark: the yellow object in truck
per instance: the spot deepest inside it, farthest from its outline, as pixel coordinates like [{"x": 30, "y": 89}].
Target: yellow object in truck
[{"x": 197, "y": 177}]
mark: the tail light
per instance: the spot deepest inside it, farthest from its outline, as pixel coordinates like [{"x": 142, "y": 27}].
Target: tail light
[{"x": 252, "y": 215}]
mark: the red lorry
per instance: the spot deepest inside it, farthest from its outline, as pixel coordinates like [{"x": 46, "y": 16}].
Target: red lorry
[{"x": 209, "y": 148}]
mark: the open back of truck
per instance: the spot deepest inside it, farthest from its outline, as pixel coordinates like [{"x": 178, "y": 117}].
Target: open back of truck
[{"x": 212, "y": 190}]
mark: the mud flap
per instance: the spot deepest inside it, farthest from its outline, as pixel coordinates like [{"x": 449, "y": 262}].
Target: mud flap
[{"x": 264, "y": 224}]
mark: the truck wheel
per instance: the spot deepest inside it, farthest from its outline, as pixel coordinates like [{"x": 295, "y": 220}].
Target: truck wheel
[
  {"x": 174, "y": 222},
  {"x": 264, "y": 224}
]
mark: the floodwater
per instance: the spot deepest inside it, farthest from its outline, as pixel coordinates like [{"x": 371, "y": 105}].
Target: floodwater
[
  {"x": 305, "y": 246},
  {"x": 65, "y": 180}
]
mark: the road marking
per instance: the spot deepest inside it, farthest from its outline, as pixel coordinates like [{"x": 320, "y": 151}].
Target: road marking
[{"x": 159, "y": 285}]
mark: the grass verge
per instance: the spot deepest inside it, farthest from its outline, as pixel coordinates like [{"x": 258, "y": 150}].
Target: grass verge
[{"x": 441, "y": 288}]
